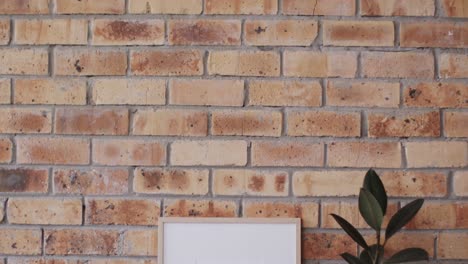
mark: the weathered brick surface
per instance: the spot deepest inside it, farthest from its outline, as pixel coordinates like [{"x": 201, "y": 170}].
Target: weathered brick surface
[
  {"x": 209, "y": 152},
  {"x": 398, "y": 64},
  {"x": 447, "y": 216},
  {"x": 442, "y": 95},
  {"x": 442, "y": 34},
  {"x": 128, "y": 32},
  {"x": 128, "y": 92},
  {"x": 455, "y": 124},
  {"x": 81, "y": 62},
  {"x": 23, "y": 120},
  {"x": 91, "y": 121},
  {"x": 204, "y": 32},
  {"x": 167, "y": 62},
  {"x": 280, "y": 33},
  {"x": 24, "y": 180},
  {"x": 5, "y": 26},
  {"x": 23, "y": 61},
  {"x": 453, "y": 65},
  {"x": 44, "y": 211},
  {"x": 170, "y": 123},
  {"x": 366, "y": 154},
  {"x": 199, "y": 208},
  {"x": 319, "y": 64},
  {"x": 122, "y": 212},
  {"x": 90, "y": 7},
  {"x": 185, "y": 7},
  {"x": 280, "y": 93},
  {"x": 246, "y": 123},
  {"x": 455, "y": 8},
  {"x": 319, "y": 7},
  {"x": 397, "y": 8},
  {"x": 287, "y": 153},
  {"x": 308, "y": 212},
  {"x": 50, "y": 91},
  {"x": 460, "y": 183},
  {"x": 51, "y": 31},
  {"x": 401, "y": 124},
  {"x": 326, "y": 245},
  {"x": 358, "y": 33},
  {"x": 6, "y": 150},
  {"x": 323, "y": 123},
  {"x": 25, "y": 7},
  {"x": 20, "y": 241},
  {"x": 451, "y": 245},
  {"x": 240, "y": 7},
  {"x": 140, "y": 243},
  {"x": 5, "y": 91},
  {"x": 436, "y": 154},
  {"x": 207, "y": 92},
  {"x": 244, "y": 63},
  {"x": 363, "y": 94},
  {"x": 128, "y": 152},
  {"x": 326, "y": 183},
  {"x": 81, "y": 242}
]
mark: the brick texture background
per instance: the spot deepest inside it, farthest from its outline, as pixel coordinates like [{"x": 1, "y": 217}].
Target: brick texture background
[{"x": 114, "y": 113}]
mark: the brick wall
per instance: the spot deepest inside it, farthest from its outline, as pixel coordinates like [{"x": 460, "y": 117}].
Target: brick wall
[{"x": 114, "y": 113}]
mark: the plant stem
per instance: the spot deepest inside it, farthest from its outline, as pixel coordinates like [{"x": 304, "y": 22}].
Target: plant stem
[{"x": 377, "y": 253}]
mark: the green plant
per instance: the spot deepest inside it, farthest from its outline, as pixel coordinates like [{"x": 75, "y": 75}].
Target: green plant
[{"x": 373, "y": 207}]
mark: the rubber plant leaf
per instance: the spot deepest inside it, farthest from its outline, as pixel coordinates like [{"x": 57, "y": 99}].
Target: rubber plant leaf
[
  {"x": 408, "y": 255},
  {"x": 402, "y": 217},
  {"x": 374, "y": 185},
  {"x": 370, "y": 209},
  {"x": 351, "y": 231}
]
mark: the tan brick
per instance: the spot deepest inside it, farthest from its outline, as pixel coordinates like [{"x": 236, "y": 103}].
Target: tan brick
[
  {"x": 24, "y": 7},
  {"x": 404, "y": 124},
  {"x": 285, "y": 93},
  {"x": 455, "y": 8},
  {"x": 130, "y": 152},
  {"x": 280, "y": 32},
  {"x": 436, "y": 215},
  {"x": 323, "y": 123},
  {"x": 460, "y": 183},
  {"x": 319, "y": 7},
  {"x": 81, "y": 242},
  {"x": 365, "y": 154},
  {"x": 240, "y": 7},
  {"x": 6, "y": 150},
  {"x": 169, "y": 122},
  {"x": 209, "y": 152},
  {"x": 287, "y": 153},
  {"x": 89, "y": 62},
  {"x": 44, "y": 211},
  {"x": 455, "y": 124},
  {"x": 414, "y": 183},
  {"x": 398, "y": 8},
  {"x": 4, "y": 31},
  {"x": 128, "y": 92},
  {"x": 436, "y": 154},
  {"x": 128, "y": 32},
  {"x": 171, "y": 181},
  {"x": 56, "y": 91},
  {"x": 434, "y": 34},
  {"x": 91, "y": 121},
  {"x": 246, "y": 123},
  {"x": 21, "y": 241},
  {"x": 96, "y": 181},
  {"x": 453, "y": 65},
  {"x": 250, "y": 182},
  {"x": 244, "y": 63},
  {"x": 452, "y": 245},
  {"x": 122, "y": 212},
  {"x": 327, "y": 183},
  {"x": 326, "y": 245},
  {"x": 167, "y": 62},
  {"x": 184, "y": 7},
  {"x": 139, "y": 243},
  {"x": 5, "y": 91},
  {"x": 90, "y": 7},
  {"x": 308, "y": 212},
  {"x": 402, "y": 241},
  {"x": 25, "y": 120},
  {"x": 363, "y": 94},
  {"x": 398, "y": 64},
  {"x": 320, "y": 64},
  {"x": 24, "y": 180},
  {"x": 204, "y": 32},
  {"x": 51, "y": 150},
  {"x": 441, "y": 95},
  {"x": 51, "y": 31},
  {"x": 206, "y": 92},
  {"x": 358, "y": 33},
  {"x": 199, "y": 208},
  {"x": 23, "y": 61},
  {"x": 350, "y": 212}
]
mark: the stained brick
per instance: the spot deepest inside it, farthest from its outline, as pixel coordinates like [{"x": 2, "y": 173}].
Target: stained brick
[
  {"x": 51, "y": 31},
  {"x": 358, "y": 33},
  {"x": 441, "y": 95},
  {"x": 246, "y": 123},
  {"x": 240, "y": 7},
  {"x": 209, "y": 152},
  {"x": 414, "y": 183},
  {"x": 4, "y": 31},
  {"x": 319, "y": 7},
  {"x": 280, "y": 32},
  {"x": 90, "y": 7},
  {"x": 25, "y": 120},
  {"x": 25, "y": 7},
  {"x": 327, "y": 183},
  {"x": 5, "y": 91},
  {"x": 128, "y": 32},
  {"x": 308, "y": 212},
  {"x": 320, "y": 64},
  {"x": 398, "y": 8},
  {"x": 122, "y": 212},
  {"x": 170, "y": 122},
  {"x": 453, "y": 65},
  {"x": 403, "y": 124},
  {"x": 460, "y": 184},
  {"x": 323, "y": 123},
  {"x": 56, "y": 91},
  {"x": 452, "y": 245},
  {"x": 183, "y": 7},
  {"x": 167, "y": 62},
  {"x": 89, "y": 62},
  {"x": 287, "y": 153},
  {"x": 455, "y": 8},
  {"x": 436, "y": 154},
  {"x": 434, "y": 34},
  {"x": 435, "y": 215},
  {"x": 81, "y": 242},
  {"x": 363, "y": 94},
  {"x": 24, "y": 180},
  {"x": 199, "y": 208},
  {"x": 6, "y": 150},
  {"x": 365, "y": 154},
  {"x": 326, "y": 245},
  {"x": 204, "y": 32},
  {"x": 24, "y": 61},
  {"x": 44, "y": 211},
  {"x": 244, "y": 63},
  {"x": 142, "y": 242},
  {"x": 398, "y": 64},
  {"x": 133, "y": 152},
  {"x": 91, "y": 121},
  {"x": 128, "y": 92},
  {"x": 455, "y": 124},
  {"x": 20, "y": 241},
  {"x": 285, "y": 93}
]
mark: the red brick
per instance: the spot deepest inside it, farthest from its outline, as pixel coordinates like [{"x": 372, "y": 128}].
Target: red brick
[
  {"x": 91, "y": 121},
  {"x": 320, "y": 64},
  {"x": 414, "y": 183},
  {"x": 455, "y": 8},
  {"x": 24, "y": 7},
  {"x": 169, "y": 122},
  {"x": 460, "y": 183},
  {"x": 363, "y": 94},
  {"x": 244, "y": 63},
  {"x": 128, "y": 32},
  {"x": 199, "y": 208},
  {"x": 327, "y": 183},
  {"x": 44, "y": 211},
  {"x": 209, "y": 152},
  {"x": 97, "y": 181},
  {"x": 403, "y": 124},
  {"x": 435, "y": 215},
  {"x": 5, "y": 91},
  {"x": 122, "y": 212},
  {"x": 171, "y": 181},
  {"x": 453, "y": 65},
  {"x": 358, "y": 33},
  {"x": 51, "y": 150},
  {"x": 455, "y": 124},
  {"x": 308, "y": 212},
  {"x": 51, "y": 31},
  {"x": 239, "y": 7},
  {"x": 441, "y": 95},
  {"x": 365, "y": 154},
  {"x": 20, "y": 241},
  {"x": 90, "y": 7},
  {"x": 56, "y": 91},
  {"x": 324, "y": 123},
  {"x": 90, "y": 62},
  {"x": 398, "y": 8},
  {"x": 436, "y": 154},
  {"x": 452, "y": 245},
  {"x": 326, "y": 245},
  {"x": 434, "y": 34},
  {"x": 319, "y": 7},
  {"x": 4, "y": 31},
  {"x": 81, "y": 242},
  {"x": 398, "y": 64},
  {"x": 128, "y": 92},
  {"x": 6, "y": 150},
  {"x": 280, "y": 32},
  {"x": 24, "y": 61},
  {"x": 167, "y": 62},
  {"x": 130, "y": 152},
  {"x": 23, "y": 120},
  {"x": 24, "y": 180},
  {"x": 206, "y": 92},
  {"x": 246, "y": 123},
  {"x": 183, "y": 7},
  {"x": 287, "y": 153},
  {"x": 285, "y": 93},
  {"x": 204, "y": 32}
]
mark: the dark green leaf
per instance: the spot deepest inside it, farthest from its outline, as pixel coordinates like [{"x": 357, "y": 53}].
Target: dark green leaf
[
  {"x": 402, "y": 217},
  {"x": 351, "y": 259},
  {"x": 367, "y": 255},
  {"x": 374, "y": 185},
  {"x": 350, "y": 230},
  {"x": 408, "y": 255},
  {"x": 370, "y": 209}
]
